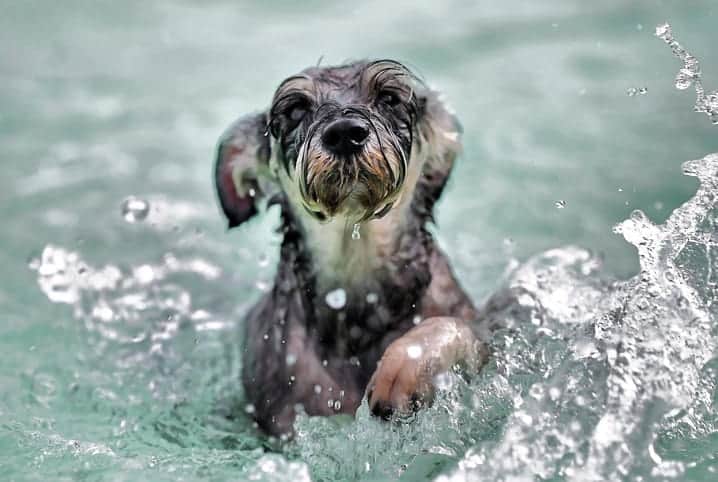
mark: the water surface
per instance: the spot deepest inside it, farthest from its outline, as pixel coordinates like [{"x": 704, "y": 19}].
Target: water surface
[{"x": 120, "y": 339}]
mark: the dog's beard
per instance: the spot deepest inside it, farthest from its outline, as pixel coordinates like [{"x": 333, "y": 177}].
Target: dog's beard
[{"x": 363, "y": 185}]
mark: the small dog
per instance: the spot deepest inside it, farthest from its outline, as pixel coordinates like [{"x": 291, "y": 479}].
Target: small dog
[{"x": 363, "y": 302}]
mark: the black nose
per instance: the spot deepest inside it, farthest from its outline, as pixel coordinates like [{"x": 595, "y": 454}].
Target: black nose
[{"x": 345, "y": 136}]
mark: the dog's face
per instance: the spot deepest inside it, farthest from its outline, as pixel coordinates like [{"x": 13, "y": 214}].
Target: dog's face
[
  {"x": 344, "y": 136},
  {"x": 347, "y": 140}
]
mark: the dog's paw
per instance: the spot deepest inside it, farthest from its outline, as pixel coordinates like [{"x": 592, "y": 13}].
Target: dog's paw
[{"x": 404, "y": 378}]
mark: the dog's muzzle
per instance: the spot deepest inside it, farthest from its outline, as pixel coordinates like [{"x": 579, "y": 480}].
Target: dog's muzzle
[{"x": 352, "y": 166}]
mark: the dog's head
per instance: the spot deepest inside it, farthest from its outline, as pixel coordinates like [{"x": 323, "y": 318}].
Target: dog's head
[{"x": 340, "y": 140}]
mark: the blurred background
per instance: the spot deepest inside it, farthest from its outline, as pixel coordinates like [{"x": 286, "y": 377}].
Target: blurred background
[{"x": 104, "y": 100}]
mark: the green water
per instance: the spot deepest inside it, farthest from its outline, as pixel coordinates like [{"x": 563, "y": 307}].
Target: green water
[{"x": 102, "y": 100}]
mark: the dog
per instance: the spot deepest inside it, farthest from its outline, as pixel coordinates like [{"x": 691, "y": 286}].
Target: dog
[{"x": 364, "y": 302}]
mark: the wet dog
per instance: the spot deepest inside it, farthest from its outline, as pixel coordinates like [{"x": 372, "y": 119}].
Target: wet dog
[{"x": 363, "y": 301}]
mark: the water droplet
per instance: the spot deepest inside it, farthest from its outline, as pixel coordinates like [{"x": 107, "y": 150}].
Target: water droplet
[
  {"x": 417, "y": 319},
  {"x": 336, "y": 299},
  {"x": 683, "y": 81},
  {"x": 536, "y": 391},
  {"x": 144, "y": 274},
  {"x": 291, "y": 359},
  {"x": 263, "y": 260},
  {"x": 524, "y": 418},
  {"x": 633, "y": 91},
  {"x": 414, "y": 351},
  {"x": 554, "y": 393},
  {"x": 317, "y": 389},
  {"x": 325, "y": 363},
  {"x": 34, "y": 264},
  {"x": 560, "y": 204},
  {"x": 663, "y": 31},
  {"x": 639, "y": 27},
  {"x": 249, "y": 408},
  {"x": 355, "y": 232},
  {"x": 372, "y": 298},
  {"x": 134, "y": 209}
]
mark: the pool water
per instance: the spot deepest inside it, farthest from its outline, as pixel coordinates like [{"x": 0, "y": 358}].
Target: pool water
[{"x": 122, "y": 292}]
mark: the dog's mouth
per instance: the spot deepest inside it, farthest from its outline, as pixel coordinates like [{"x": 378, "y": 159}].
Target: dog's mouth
[{"x": 361, "y": 180}]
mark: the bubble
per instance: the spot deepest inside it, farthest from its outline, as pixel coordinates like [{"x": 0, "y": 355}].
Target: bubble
[
  {"x": 372, "y": 298},
  {"x": 536, "y": 391},
  {"x": 355, "y": 232},
  {"x": 417, "y": 319},
  {"x": 337, "y": 405},
  {"x": 336, "y": 299},
  {"x": 249, "y": 408},
  {"x": 317, "y": 389},
  {"x": 291, "y": 359},
  {"x": 560, "y": 204},
  {"x": 414, "y": 351},
  {"x": 134, "y": 210}
]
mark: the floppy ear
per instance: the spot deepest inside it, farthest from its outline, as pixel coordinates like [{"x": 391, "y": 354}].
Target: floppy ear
[
  {"x": 241, "y": 170},
  {"x": 440, "y": 135}
]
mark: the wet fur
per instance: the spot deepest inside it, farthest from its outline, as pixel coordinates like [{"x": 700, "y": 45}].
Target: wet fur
[{"x": 301, "y": 354}]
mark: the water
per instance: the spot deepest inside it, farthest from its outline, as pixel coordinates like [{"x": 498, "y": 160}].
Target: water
[{"x": 120, "y": 338}]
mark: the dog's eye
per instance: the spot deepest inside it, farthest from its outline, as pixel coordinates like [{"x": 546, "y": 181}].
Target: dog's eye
[
  {"x": 295, "y": 113},
  {"x": 388, "y": 98}
]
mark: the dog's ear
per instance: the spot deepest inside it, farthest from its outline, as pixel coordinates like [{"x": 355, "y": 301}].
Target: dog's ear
[
  {"x": 241, "y": 171},
  {"x": 440, "y": 137},
  {"x": 440, "y": 127}
]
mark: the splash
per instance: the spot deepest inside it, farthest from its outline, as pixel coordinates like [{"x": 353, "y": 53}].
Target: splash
[
  {"x": 591, "y": 378},
  {"x": 690, "y": 74}
]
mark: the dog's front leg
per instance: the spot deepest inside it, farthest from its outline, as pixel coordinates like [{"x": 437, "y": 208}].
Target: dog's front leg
[{"x": 404, "y": 377}]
